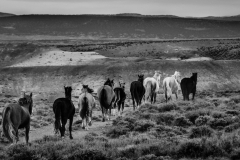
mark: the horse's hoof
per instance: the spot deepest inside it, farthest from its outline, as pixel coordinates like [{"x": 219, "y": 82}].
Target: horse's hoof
[
  {"x": 71, "y": 137},
  {"x": 103, "y": 120},
  {"x": 62, "y": 137},
  {"x": 83, "y": 127},
  {"x": 90, "y": 123}
]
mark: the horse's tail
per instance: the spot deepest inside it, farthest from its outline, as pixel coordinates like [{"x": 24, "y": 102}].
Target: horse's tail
[
  {"x": 103, "y": 98},
  {"x": 57, "y": 112},
  {"x": 117, "y": 96},
  {"x": 85, "y": 107},
  {"x": 148, "y": 90},
  {"x": 7, "y": 125}
]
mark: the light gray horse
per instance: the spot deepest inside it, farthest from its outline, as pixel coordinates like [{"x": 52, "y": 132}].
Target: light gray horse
[
  {"x": 171, "y": 85},
  {"x": 86, "y": 103}
]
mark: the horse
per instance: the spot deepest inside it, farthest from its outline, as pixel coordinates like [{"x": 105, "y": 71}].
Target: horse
[
  {"x": 188, "y": 85},
  {"x": 64, "y": 109},
  {"x": 120, "y": 97},
  {"x": 106, "y": 97},
  {"x": 86, "y": 103},
  {"x": 151, "y": 85},
  {"x": 137, "y": 91},
  {"x": 17, "y": 116},
  {"x": 171, "y": 86}
]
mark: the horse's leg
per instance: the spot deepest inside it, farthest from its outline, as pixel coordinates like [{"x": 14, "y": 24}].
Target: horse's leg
[
  {"x": 187, "y": 95},
  {"x": 119, "y": 108},
  {"x": 86, "y": 122},
  {"x": 64, "y": 121},
  {"x": 27, "y": 129},
  {"x": 133, "y": 101},
  {"x": 90, "y": 118},
  {"x": 176, "y": 95},
  {"x": 103, "y": 116},
  {"x": 154, "y": 97},
  {"x": 122, "y": 108},
  {"x": 70, "y": 127},
  {"x": 193, "y": 95}
]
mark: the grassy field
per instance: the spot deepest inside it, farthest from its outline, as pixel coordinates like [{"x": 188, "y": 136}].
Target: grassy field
[{"x": 207, "y": 128}]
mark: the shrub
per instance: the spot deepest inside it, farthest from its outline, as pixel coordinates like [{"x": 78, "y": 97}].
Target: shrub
[
  {"x": 143, "y": 125},
  {"x": 117, "y": 131},
  {"x": 232, "y": 127},
  {"x": 201, "y": 131},
  {"x": 203, "y": 120},
  {"x": 164, "y": 118},
  {"x": 220, "y": 123},
  {"x": 198, "y": 149},
  {"x": 182, "y": 121},
  {"x": 20, "y": 152},
  {"x": 235, "y": 155},
  {"x": 166, "y": 107},
  {"x": 193, "y": 115}
]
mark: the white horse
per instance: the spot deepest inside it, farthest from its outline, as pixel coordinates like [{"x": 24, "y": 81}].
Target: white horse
[
  {"x": 152, "y": 85},
  {"x": 171, "y": 85}
]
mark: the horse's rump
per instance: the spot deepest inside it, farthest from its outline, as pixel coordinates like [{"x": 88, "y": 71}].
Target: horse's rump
[
  {"x": 7, "y": 125},
  {"x": 62, "y": 107},
  {"x": 137, "y": 90},
  {"x": 105, "y": 96},
  {"x": 86, "y": 104},
  {"x": 120, "y": 95}
]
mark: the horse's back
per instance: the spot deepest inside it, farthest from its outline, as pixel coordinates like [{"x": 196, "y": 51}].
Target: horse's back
[
  {"x": 64, "y": 105},
  {"x": 120, "y": 93},
  {"x": 187, "y": 83},
  {"x": 105, "y": 95},
  {"x": 19, "y": 116}
]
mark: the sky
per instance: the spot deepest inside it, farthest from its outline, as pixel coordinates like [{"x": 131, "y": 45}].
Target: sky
[{"x": 183, "y": 8}]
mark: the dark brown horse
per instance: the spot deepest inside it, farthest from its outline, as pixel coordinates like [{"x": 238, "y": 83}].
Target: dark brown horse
[
  {"x": 188, "y": 85},
  {"x": 137, "y": 91},
  {"x": 106, "y": 97},
  {"x": 64, "y": 109},
  {"x": 119, "y": 98},
  {"x": 17, "y": 116}
]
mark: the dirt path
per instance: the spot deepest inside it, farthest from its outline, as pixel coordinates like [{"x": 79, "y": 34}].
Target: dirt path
[{"x": 97, "y": 127}]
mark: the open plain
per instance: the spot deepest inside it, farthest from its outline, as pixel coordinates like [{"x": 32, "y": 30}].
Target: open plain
[{"x": 206, "y": 128}]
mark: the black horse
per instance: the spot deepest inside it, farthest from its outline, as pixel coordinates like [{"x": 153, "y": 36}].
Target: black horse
[
  {"x": 188, "y": 85},
  {"x": 137, "y": 91},
  {"x": 64, "y": 109},
  {"x": 120, "y": 97}
]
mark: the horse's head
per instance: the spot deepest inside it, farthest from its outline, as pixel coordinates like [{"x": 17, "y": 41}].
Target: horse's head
[
  {"x": 177, "y": 76},
  {"x": 194, "y": 76},
  {"x": 157, "y": 76},
  {"x": 68, "y": 91},
  {"x": 109, "y": 82},
  {"x": 26, "y": 101},
  {"x": 122, "y": 85},
  {"x": 141, "y": 78}
]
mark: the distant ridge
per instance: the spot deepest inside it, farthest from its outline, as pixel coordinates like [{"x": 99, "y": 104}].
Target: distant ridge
[
  {"x": 6, "y": 14},
  {"x": 122, "y": 26}
]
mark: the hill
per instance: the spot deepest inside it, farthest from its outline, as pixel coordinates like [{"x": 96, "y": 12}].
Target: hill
[
  {"x": 6, "y": 14},
  {"x": 118, "y": 26}
]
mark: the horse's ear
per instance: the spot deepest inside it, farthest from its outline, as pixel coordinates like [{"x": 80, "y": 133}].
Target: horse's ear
[{"x": 31, "y": 94}]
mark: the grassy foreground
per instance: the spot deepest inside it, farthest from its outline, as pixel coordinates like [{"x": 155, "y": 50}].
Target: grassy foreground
[{"x": 203, "y": 129}]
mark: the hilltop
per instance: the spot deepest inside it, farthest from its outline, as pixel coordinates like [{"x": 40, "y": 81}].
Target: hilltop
[
  {"x": 121, "y": 26},
  {"x": 6, "y": 14}
]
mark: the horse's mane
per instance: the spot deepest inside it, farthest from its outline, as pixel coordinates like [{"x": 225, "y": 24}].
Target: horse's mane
[
  {"x": 27, "y": 99},
  {"x": 68, "y": 92},
  {"x": 89, "y": 90},
  {"x": 109, "y": 82}
]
